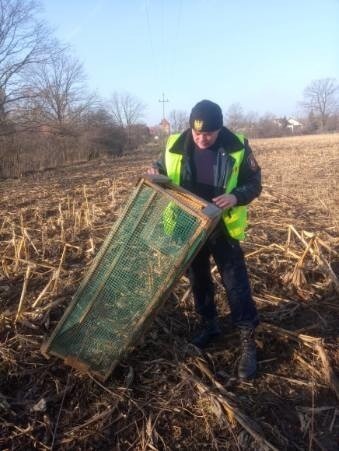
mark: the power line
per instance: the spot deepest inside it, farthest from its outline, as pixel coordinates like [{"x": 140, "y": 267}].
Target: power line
[{"x": 149, "y": 31}]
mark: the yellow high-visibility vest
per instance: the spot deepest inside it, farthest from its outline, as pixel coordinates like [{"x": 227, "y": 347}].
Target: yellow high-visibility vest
[{"x": 235, "y": 219}]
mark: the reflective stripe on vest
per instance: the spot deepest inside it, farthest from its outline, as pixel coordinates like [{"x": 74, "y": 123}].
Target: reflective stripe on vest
[{"x": 235, "y": 219}]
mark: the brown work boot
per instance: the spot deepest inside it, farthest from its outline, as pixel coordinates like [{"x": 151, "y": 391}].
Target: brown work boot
[{"x": 248, "y": 359}]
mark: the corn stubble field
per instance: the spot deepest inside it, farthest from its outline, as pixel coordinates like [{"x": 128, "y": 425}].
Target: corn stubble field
[{"x": 166, "y": 394}]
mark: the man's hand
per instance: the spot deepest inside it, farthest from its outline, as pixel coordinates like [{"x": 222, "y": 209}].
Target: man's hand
[
  {"x": 225, "y": 201},
  {"x": 153, "y": 171}
]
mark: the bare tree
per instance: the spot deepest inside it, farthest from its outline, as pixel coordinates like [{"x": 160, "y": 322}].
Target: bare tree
[
  {"x": 179, "y": 120},
  {"x": 251, "y": 119},
  {"x": 126, "y": 109},
  {"x": 23, "y": 41},
  {"x": 103, "y": 132},
  {"x": 268, "y": 126},
  {"x": 320, "y": 98},
  {"x": 58, "y": 90},
  {"x": 235, "y": 117}
]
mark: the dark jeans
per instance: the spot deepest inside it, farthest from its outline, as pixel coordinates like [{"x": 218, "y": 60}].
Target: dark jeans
[{"x": 230, "y": 261}]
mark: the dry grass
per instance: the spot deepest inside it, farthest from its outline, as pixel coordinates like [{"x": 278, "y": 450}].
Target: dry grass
[{"x": 165, "y": 395}]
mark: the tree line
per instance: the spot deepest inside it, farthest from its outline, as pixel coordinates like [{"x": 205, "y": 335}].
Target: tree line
[
  {"x": 48, "y": 116},
  {"x": 320, "y": 114}
]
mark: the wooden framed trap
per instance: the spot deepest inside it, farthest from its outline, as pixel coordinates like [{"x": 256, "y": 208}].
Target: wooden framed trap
[{"x": 147, "y": 250}]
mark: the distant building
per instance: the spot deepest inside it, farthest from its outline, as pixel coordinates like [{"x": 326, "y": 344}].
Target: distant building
[
  {"x": 161, "y": 130},
  {"x": 290, "y": 123},
  {"x": 155, "y": 132},
  {"x": 165, "y": 126},
  {"x": 293, "y": 124}
]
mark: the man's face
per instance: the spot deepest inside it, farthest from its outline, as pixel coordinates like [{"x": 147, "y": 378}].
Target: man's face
[{"x": 204, "y": 140}]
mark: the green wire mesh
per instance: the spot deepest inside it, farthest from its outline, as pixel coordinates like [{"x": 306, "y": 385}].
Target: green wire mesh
[{"x": 137, "y": 265}]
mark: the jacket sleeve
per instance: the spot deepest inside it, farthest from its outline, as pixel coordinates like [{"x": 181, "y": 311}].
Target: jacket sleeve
[
  {"x": 249, "y": 178},
  {"x": 160, "y": 164}
]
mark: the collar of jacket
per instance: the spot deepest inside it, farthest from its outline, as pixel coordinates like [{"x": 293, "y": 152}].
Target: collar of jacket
[{"x": 227, "y": 140}]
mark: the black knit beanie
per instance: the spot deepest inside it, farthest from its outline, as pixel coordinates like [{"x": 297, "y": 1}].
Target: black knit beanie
[{"x": 206, "y": 116}]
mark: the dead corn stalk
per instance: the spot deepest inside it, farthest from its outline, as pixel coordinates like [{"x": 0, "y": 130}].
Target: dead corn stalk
[
  {"x": 322, "y": 262},
  {"x": 45, "y": 290},
  {"x": 330, "y": 377},
  {"x": 313, "y": 343},
  {"x": 23, "y": 291},
  {"x": 58, "y": 270},
  {"x": 87, "y": 213},
  {"x": 61, "y": 223},
  {"x": 228, "y": 405}
]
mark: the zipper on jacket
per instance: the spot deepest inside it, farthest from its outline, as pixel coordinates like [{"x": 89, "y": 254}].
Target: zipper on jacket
[{"x": 225, "y": 166}]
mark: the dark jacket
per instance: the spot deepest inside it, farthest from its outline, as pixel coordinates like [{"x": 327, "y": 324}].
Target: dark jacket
[{"x": 249, "y": 178}]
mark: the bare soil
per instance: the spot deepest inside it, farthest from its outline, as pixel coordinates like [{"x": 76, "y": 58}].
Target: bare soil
[{"x": 166, "y": 395}]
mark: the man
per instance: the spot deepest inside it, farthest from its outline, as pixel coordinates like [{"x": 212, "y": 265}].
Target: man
[{"x": 218, "y": 165}]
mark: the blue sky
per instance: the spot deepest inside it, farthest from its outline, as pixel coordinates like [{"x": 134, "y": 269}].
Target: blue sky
[{"x": 260, "y": 53}]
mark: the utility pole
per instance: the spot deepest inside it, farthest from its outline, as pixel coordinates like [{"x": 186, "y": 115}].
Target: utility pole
[{"x": 163, "y": 101}]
